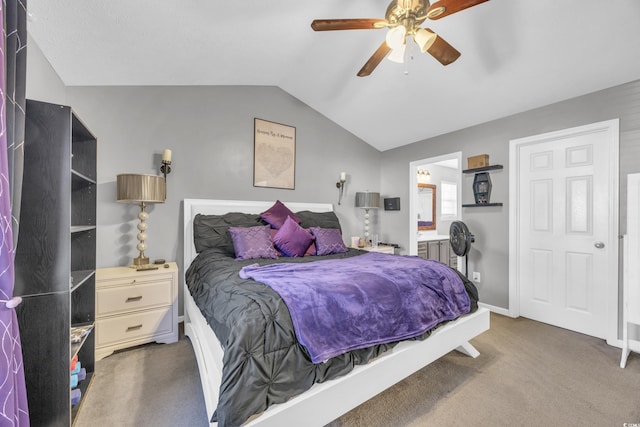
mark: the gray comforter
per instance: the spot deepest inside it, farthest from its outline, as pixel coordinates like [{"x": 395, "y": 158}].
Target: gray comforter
[{"x": 264, "y": 363}]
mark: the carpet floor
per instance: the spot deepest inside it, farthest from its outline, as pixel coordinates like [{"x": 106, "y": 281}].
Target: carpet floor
[{"x": 528, "y": 374}]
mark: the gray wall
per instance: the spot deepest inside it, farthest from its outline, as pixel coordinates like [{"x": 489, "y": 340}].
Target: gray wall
[
  {"x": 489, "y": 254},
  {"x": 43, "y": 83},
  {"x": 210, "y": 131}
]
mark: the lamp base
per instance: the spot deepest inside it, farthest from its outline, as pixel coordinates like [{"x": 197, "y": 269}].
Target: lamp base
[{"x": 141, "y": 260}]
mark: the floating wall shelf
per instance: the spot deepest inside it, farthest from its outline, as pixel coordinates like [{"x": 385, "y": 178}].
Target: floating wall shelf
[
  {"x": 478, "y": 170},
  {"x": 480, "y": 205},
  {"x": 482, "y": 169}
]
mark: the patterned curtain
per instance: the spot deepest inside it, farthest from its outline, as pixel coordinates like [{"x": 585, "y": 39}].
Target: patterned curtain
[{"x": 13, "y": 394}]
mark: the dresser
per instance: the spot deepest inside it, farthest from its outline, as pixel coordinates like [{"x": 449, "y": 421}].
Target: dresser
[
  {"x": 135, "y": 307},
  {"x": 438, "y": 249}
]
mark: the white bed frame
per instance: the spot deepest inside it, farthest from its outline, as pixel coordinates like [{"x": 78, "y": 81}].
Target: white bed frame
[{"x": 326, "y": 401}]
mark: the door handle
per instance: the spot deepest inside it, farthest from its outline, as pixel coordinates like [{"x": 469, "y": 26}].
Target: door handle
[{"x": 599, "y": 245}]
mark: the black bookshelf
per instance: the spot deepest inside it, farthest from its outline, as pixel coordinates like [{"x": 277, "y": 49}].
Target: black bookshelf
[{"x": 56, "y": 258}]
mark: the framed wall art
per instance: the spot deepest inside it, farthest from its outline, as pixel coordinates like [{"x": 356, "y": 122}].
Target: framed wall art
[{"x": 274, "y": 155}]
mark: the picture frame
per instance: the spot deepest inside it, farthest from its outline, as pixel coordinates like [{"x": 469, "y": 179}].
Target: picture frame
[{"x": 274, "y": 155}]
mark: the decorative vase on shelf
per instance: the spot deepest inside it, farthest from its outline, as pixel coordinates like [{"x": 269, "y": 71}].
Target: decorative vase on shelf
[{"x": 482, "y": 188}]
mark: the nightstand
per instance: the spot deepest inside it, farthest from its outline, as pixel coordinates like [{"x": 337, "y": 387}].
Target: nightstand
[
  {"x": 135, "y": 307},
  {"x": 380, "y": 248}
]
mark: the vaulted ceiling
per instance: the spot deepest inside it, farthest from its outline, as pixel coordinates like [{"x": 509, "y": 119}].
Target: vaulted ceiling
[{"x": 516, "y": 55}]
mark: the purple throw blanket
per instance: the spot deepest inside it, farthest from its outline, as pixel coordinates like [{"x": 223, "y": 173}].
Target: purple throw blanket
[{"x": 340, "y": 305}]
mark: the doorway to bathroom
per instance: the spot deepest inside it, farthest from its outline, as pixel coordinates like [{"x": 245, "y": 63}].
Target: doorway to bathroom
[{"x": 438, "y": 177}]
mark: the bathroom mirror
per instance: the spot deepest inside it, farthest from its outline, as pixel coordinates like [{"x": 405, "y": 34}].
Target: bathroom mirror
[{"x": 426, "y": 207}]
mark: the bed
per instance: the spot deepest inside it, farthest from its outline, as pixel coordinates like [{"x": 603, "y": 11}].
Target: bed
[{"x": 357, "y": 377}]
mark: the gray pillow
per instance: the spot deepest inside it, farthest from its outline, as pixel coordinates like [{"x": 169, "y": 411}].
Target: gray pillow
[
  {"x": 212, "y": 231},
  {"x": 310, "y": 219}
]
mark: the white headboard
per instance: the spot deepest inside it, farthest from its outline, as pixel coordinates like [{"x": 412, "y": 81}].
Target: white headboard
[{"x": 192, "y": 207}]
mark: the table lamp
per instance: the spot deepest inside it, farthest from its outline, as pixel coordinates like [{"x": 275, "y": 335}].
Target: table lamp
[
  {"x": 367, "y": 200},
  {"x": 141, "y": 189}
]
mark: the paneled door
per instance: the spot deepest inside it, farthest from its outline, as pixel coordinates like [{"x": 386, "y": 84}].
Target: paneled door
[{"x": 565, "y": 243}]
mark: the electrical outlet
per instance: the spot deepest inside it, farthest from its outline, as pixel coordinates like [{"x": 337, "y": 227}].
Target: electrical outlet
[{"x": 476, "y": 276}]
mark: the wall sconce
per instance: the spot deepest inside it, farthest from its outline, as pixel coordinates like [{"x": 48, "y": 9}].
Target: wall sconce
[
  {"x": 340, "y": 185},
  {"x": 142, "y": 189},
  {"x": 367, "y": 200},
  {"x": 165, "y": 168}
]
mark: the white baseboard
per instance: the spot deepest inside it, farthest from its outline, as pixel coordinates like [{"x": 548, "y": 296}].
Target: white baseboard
[
  {"x": 494, "y": 309},
  {"x": 180, "y": 319}
]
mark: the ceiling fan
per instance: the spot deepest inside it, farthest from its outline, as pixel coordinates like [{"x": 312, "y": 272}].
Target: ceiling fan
[{"x": 403, "y": 18}]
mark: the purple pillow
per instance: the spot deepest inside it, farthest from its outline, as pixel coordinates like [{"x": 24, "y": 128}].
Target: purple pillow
[
  {"x": 292, "y": 240},
  {"x": 252, "y": 242},
  {"x": 328, "y": 241},
  {"x": 311, "y": 250},
  {"x": 277, "y": 214}
]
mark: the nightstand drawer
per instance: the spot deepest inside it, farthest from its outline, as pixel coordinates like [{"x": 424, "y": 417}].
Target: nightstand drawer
[
  {"x": 112, "y": 277},
  {"x": 123, "y": 299},
  {"x": 137, "y": 325}
]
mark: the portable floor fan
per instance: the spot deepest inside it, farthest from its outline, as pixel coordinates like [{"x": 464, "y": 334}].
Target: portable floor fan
[{"x": 461, "y": 240}]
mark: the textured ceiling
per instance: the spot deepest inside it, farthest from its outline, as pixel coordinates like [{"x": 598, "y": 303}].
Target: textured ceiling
[{"x": 516, "y": 55}]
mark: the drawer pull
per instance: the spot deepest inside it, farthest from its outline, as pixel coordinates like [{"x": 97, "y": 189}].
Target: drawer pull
[
  {"x": 134, "y": 328},
  {"x": 133, "y": 299}
]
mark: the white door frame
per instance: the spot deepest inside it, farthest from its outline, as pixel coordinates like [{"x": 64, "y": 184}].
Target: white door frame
[
  {"x": 611, "y": 128},
  {"x": 413, "y": 192}
]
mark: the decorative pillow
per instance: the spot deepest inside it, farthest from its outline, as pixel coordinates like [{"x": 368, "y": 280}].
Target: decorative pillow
[
  {"x": 211, "y": 231},
  {"x": 328, "y": 241},
  {"x": 292, "y": 240},
  {"x": 272, "y": 234},
  {"x": 277, "y": 214},
  {"x": 252, "y": 242},
  {"x": 311, "y": 250},
  {"x": 310, "y": 219}
]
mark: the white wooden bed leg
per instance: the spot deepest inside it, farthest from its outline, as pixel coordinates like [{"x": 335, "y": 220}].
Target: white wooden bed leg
[
  {"x": 469, "y": 350},
  {"x": 625, "y": 355}
]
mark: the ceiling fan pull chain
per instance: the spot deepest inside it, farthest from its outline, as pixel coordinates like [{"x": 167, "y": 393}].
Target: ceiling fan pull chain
[{"x": 408, "y": 55}]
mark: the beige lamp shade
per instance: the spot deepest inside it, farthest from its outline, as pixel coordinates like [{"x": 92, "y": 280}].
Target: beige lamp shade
[{"x": 135, "y": 188}]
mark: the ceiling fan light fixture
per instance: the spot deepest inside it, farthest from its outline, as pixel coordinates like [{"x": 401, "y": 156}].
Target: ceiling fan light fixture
[
  {"x": 424, "y": 39},
  {"x": 397, "y": 55},
  {"x": 396, "y": 37}
]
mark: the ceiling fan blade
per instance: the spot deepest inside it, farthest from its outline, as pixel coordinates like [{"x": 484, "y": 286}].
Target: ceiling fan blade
[
  {"x": 375, "y": 59},
  {"x": 443, "y": 8},
  {"x": 443, "y": 51},
  {"x": 348, "y": 24}
]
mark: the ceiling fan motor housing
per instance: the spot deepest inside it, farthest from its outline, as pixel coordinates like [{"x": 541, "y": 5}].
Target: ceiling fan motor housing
[{"x": 410, "y": 13}]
